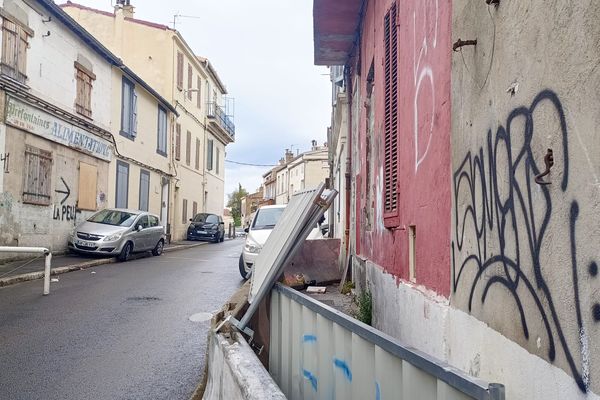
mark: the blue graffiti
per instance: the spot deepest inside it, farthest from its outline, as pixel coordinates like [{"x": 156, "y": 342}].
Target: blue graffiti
[
  {"x": 309, "y": 338},
  {"x": 341, "y": 364},
  {"x": 311, "y": 378}
]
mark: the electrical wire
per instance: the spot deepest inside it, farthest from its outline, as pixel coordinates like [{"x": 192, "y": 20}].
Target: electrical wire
[{"x": 251, "y": 165}]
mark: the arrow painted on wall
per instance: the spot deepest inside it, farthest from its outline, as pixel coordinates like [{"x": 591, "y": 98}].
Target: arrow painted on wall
[{"x": 66, "y": 193}]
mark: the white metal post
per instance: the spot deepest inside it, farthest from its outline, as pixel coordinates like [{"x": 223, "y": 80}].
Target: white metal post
[{"x": 35, "y": 250}]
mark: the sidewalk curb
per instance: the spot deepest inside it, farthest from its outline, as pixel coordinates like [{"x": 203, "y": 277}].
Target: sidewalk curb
[{"x": 80, "y": 266}]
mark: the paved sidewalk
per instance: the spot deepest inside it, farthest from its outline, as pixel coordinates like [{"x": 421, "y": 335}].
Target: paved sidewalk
[{"x": 25, "y": 270}]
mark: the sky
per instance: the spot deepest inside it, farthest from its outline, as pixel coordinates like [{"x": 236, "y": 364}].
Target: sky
[{"x": 263, "y": 53}]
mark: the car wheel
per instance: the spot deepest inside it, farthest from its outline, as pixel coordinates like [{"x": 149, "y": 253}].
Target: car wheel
[
  {"x": 222, "y": 237},
  {"x": 158, "y": 249},
  {"x": 244, "y": 272},
  {"x": 125, "y": 252}
]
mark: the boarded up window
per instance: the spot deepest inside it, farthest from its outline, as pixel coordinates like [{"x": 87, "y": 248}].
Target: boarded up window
[
  {"x": 178, "y": 142},
  {"x": 188, "y": 148},
  {"x": 179, "y": 71},
  {"x": 83, "y": 99},
  {"x": 198, "y": 154},
  {"x": 190, "y": 78},
  {"x": 198, "y": 92},
  {"x": 88, "y": 180},
  {"x": 38, "y": 173},
  {"x": 390, "y": 197},
  {"x": 184, "y": 217},
  {"x": 14, "y": 50},
  {"x": 209, "y": 155},
  {"x": 144, "y": 190}
]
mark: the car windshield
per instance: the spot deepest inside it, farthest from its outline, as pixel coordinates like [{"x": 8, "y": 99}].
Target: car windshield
[
  {"x": 206, "y": 218},
  {"x": 266, "y": 218},
  {"x": 113, "y": 217}
]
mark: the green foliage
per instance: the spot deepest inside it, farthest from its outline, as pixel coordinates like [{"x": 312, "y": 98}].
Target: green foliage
[
  {"x": 365, "y": 307},
  {"x": 235, "y": 203},
  {"x": 348, "y": 286}
]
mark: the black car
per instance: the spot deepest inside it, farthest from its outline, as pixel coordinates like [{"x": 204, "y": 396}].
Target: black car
[{"x": 208, "y": 227}]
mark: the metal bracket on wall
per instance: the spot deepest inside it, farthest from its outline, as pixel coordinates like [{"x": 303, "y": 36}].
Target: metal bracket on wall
[{"x": 549, "y": 161}]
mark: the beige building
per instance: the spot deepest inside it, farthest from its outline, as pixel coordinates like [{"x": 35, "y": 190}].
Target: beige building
[{"x": 163, "y": 58}]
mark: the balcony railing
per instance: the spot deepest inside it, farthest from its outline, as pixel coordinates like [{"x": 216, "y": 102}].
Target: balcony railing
[{"x": 215, "y": 111}]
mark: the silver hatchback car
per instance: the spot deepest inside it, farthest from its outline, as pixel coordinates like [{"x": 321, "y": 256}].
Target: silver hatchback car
[{"x": 118, "y": 232}]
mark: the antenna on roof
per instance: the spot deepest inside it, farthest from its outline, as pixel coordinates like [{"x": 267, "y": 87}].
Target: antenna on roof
[{"x": 177, "y": 16}]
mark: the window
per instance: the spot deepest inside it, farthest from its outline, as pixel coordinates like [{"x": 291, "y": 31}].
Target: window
[
  {"x": 143, "y": 221},
  {"x": 83, "y": 99},
  {"x": 199, "y": 92},
  {"x": 38, "y": 173},
  {"x": 189, "y": 85},
  {"x": 184, "y": 212},
  {"x": 144, "y": 190},
  {"x": 14, "y": 50},
  {"x": 188, "y": 148},
  {"x": 178, "y": 142},
  {"x": 197, "y": 153},
  {"x": 153, "y": 221},
  {"x": 122, "y": 189},
  {"x": 88, "y": 178},
  {"x": 179, "y": 70},
  {"x": 194, "y": 209},
  {"x": 128, "y": 109},
  {"x": 209, "y": 155},
  {"x": 161, "y": 143},
  {"x": 390, "y": 198}
]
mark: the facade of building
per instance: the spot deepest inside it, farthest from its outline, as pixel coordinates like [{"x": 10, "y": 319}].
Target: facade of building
[
  {"x": 250, "y": 204},
  {"x": 56, "y": 140},
  {"x": 308, "y": 170},
  {"x": 204, "y": 128},
  {"x": 470, "y": 252}
]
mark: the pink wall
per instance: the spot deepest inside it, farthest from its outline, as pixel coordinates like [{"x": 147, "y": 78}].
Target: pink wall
[{"x": 424, "y": 52}]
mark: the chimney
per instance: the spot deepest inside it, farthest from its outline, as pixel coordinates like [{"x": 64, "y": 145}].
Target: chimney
[
  {"x": 126, "y": 7},
  {"x": 289, "y": 155}
]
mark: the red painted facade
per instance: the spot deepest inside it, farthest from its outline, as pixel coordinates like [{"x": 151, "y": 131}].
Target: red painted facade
[{"x": 423, "y": 147}]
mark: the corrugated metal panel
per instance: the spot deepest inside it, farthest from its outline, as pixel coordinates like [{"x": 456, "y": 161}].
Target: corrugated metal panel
[
  {"x": 293, "y": 227},
  {"x": 317, "y": 352}
]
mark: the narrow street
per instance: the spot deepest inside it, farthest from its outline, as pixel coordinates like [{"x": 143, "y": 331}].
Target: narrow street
[{"x": 122, "y": 331}]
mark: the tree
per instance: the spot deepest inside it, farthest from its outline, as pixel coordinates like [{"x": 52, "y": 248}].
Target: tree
[{"x": 235, "y": 203}]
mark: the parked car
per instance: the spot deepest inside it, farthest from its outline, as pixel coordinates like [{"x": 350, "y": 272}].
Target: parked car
[
  {"x": 118, "y": 232},
  {"x": 206, "y": 226},
  {"x": 257, "y": 233}
]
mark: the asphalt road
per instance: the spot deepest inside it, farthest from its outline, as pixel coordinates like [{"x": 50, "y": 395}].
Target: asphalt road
[{"x": 119, "y": 331}]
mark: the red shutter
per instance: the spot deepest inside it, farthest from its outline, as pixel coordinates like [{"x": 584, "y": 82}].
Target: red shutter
[{"x": 390, "y": 198}]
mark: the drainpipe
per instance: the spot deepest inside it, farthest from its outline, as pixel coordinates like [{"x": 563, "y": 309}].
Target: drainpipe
[{"x": 348, "y": 158}]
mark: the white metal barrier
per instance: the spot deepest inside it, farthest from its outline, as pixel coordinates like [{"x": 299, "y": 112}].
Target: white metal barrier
[
  {"x": 35, "y": 250},
  {"x": 317, "y": 352}
]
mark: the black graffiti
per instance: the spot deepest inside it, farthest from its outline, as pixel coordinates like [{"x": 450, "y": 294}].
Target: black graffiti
[
  {"x": 66, "y": 192},
  {"x": 65, "y": 213},
  {"x": 499, "y": 205},
  {"x": 5, "y": 158}
]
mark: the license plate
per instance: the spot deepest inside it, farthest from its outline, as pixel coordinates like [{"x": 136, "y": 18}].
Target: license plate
[
  {"x": 83, "y": 243},
  {"x": 201, "y": 232}
]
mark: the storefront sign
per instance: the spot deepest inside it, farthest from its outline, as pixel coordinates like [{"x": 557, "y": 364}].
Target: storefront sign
[{"x": 23, "y": 116}]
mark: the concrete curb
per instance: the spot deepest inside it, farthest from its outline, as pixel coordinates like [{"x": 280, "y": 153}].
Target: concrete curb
[{"x": 11, "y": 280}]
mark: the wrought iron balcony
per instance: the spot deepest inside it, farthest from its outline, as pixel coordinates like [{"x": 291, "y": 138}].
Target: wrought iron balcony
[{"x": 218, "y": 117}]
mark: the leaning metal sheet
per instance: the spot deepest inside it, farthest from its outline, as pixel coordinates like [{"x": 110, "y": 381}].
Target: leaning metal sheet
[{"x": 298, "y": 219}]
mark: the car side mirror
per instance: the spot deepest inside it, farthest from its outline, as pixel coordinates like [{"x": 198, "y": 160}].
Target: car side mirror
[
  {"x": 246, "y": 230},
  {"x": 191, "y": 220},
  {"x": 221, "y": 223},
  {"x": 139, "y": 228}
]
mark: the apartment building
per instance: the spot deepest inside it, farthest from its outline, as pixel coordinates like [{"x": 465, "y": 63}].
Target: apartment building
[{"x": 204, "y": 128}]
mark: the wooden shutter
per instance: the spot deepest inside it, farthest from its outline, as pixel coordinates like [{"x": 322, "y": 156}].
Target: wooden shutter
[
  {"x": 390, "y": 198},
  {"x": 197, "y": 153},
  {"x": 179, "y": 70},
  {"x": 14, "y": 50},
  {"x": 88, "y": 178},
  {"x": 190, "y": 78},
  {"x": 178, "y": 142},
  {"x": 199, "y": 92},
  {"x": 188, "y": 148},
  {"x": 83, "y": 99},
  {"x": 184, "y": 212},
  {"x": 38, "y": 174},
  {"x": 194, "y": 209},
  {"x": 209, "y": 155},
  {"x": 134, "y": 117}
]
